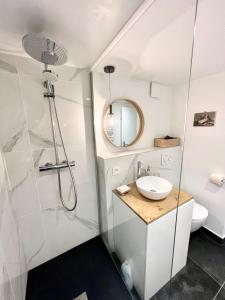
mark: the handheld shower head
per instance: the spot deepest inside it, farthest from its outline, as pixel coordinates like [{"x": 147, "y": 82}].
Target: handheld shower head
[
  {"x": 50, "y": 75},
  {"x": 44, "y": 50}
]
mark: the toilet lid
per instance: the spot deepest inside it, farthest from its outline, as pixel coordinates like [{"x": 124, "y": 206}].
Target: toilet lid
[{"x": 199, "y": 212}]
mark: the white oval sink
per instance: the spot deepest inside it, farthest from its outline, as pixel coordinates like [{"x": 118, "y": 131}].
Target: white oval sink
[{"x": 153, "y": 187}]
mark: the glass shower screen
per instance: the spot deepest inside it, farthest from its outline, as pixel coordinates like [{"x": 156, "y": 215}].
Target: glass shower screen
[{"x": 147, "y": 230}]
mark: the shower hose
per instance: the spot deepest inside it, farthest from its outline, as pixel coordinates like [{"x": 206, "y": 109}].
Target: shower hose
[{"x": 53, "y": 109}]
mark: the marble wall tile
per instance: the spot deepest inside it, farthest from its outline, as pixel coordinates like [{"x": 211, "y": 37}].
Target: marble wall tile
[
  {"x": 87, "y": 205},
  {"x": 6, "y": 225},
  {"x": 19, "y": 286},
  {"x": 22, "y": 182},
  {"x": 11, "y": 253},
  {"x": 13, "y": 136},
  {"x": 34, "y": 227},
  {"x": 8, "y": 63},
  {"x": 6, "y": 291},
  {"x": 66, "y": 230},
  {"x": 16, "y": 280},
  {"x": 69, "y": 104},
  {"x": 69, "y": 107},
  {"x": 47, "y": 182},
  {"x": 33, "y": 239},
  {"x": 37, "y": 111}
]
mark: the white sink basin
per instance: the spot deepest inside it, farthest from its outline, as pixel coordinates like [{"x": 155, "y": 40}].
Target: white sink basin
[{"x": 153, "y": 187}]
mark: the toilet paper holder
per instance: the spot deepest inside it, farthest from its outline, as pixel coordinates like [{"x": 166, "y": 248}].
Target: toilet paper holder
[{"x": 217, "y": 179}]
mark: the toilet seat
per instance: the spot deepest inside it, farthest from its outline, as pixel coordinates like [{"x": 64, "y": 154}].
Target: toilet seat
[{"x": 199, "y": 212}]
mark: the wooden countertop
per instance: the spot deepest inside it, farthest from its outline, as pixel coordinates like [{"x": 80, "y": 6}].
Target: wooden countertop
[{"x": 151, "y": 210}]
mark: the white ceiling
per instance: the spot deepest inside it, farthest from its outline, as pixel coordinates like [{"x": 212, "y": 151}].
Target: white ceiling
[
  {"x": 158, "y": 46},
  {"x": 84, "y": 27}
]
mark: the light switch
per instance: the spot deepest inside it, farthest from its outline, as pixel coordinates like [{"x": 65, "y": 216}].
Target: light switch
[{"x": 115, "y": 171}]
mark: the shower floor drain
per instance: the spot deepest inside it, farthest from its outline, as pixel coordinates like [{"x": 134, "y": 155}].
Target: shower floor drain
[{"x": 82, "y": 296}]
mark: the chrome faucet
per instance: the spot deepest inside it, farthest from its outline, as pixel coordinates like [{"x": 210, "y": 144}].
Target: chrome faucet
[{"x": 141, "y": 171}]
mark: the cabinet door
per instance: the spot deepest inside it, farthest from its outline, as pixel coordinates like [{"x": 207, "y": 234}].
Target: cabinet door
[
  {"x": 160, "y": 240},
  {"x": 130, "y": 242},
  {"x": 183, "y": 230}
]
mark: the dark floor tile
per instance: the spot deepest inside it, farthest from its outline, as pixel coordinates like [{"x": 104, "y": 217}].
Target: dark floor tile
[
  {"x": 86, "y": 268},
  {"x": 208, "y": 254},
  {"x": 191, "y": 283},
  {"x": 221, "y": 295}
]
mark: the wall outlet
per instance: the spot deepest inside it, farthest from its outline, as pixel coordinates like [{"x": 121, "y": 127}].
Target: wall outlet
[{"x": 115, "y": 171}]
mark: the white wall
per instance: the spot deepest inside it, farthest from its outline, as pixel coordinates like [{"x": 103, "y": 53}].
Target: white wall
[
  {"x": 180, "y": 99},
  {"x": 45, "y": 228},
  {"x": 204, "y": 151},
  {"x": 157, "y": 112}
]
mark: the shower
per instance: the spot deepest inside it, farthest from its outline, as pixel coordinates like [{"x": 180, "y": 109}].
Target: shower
[{"x": 48, "y": 52}]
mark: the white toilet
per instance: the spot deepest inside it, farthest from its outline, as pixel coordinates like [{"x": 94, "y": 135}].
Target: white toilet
[{"x": 199, "y": 216}]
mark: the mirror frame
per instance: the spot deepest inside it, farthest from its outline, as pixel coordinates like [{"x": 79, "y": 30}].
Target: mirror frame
[{"x": 142, "y": 122}]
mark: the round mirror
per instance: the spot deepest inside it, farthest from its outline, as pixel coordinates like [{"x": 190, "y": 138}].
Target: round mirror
[{"x": 123, "y": 122}]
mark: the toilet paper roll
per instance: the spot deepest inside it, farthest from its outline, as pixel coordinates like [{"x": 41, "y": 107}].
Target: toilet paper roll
[
  {"x": 127, "y": 274},
  {"x": 217, "y": 179}
]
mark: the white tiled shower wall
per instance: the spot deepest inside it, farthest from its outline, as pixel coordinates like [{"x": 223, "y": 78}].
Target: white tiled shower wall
[{"x": 33, "y": 225}]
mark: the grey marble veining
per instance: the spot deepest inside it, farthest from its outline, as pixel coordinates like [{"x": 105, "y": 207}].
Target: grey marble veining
[
  {"x": 89, "y": 223},
  {"x": 37, "y": 157},
  {"x": 72, "y": 216},
  {"x": 40, "y": 141},
  {"x": 13, "y": 135},
  {"x": 21, "y": 181},
  {"x": 11, "y": 143},
  {"x": 7, "y": 67},
  {"x": 36, "y": 253}
]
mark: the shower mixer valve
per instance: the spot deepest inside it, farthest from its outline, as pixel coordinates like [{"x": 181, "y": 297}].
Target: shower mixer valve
[
  {"x": 48, "y": 52},
  {"x": 50, "y": 166}
]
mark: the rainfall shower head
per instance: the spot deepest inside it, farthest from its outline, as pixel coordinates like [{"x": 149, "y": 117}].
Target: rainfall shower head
[{"x": 44, "y": 50}]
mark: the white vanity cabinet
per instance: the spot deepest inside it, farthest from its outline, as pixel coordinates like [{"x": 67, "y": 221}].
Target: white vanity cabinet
[{"x": 148, "y": 246}]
